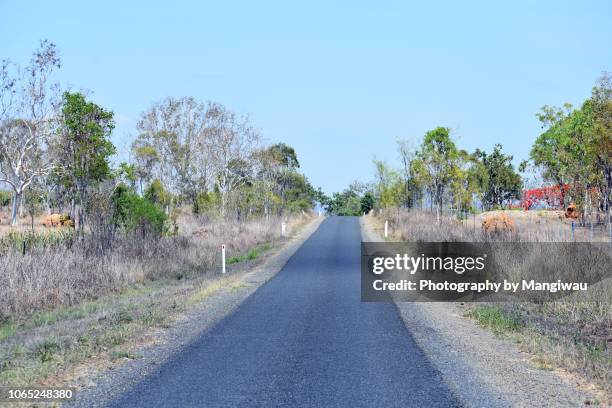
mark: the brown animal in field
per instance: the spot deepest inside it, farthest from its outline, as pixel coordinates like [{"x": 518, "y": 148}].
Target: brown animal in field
[
  {"x": 571, "y": 211},
  {"x": 58, "y": 220},
  {"x": 498, "y": 224}
]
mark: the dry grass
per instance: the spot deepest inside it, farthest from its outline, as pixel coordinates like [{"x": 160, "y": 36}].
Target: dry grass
[
  {"x": 51, "y": 346},
  {"x": 531, "y": 226},
  {"x": 66, "y": 314},
  {"x": 52, "y": 276},
  {"x": 574, "y": 332}
]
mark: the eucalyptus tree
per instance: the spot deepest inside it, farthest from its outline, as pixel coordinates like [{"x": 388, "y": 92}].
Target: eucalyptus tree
[
  {"x": 408, "y": 153},
  {"x": 28, "y": 107},
  {"x": 436, "y": 164},
  {"x": 231, "y": 141},
  {"x": 576, "y": 145},
  {"x": 169, "y": 144},
  {"x": 389, "y": 187}
]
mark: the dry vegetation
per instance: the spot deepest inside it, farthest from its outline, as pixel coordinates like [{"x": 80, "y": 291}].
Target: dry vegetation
[
  {"x": 61, "y": 304},
  {"x": 61, "y": 275},
  {"x": 573, "y": 333}
]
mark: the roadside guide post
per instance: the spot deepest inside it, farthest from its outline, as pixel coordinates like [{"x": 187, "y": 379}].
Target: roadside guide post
[
  {"x": 386, "y": 228},
  {"x": 222, "y": 258},
  {"x": 283, "y": 229}
]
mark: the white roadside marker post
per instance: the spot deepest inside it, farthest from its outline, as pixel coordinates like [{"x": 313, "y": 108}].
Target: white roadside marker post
[
  {"x": 386, "y": 228},
  {"x": 222, "y": 258},
  {"x": 283, "y": 229}
]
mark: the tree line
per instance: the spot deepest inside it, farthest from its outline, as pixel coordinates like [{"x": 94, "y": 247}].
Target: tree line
[
  {"x": 436, "y": 175},
  {"x": 56, "y": 153},
  {"x": 574, "y": 152},
  {"x": 575, "y": 149}
]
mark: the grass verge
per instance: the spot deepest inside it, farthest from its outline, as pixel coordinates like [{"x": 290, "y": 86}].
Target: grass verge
[
  {"x": 47, "y": 347},
  {"x": 250, "y": 255},
  {"x": 552, "y": 345},
  {"x": 494, "y": 318}
]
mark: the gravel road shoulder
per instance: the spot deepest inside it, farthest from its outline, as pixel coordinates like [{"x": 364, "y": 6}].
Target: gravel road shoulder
[
  {"x": 480, "y": 368},
  {"x": 108, "y": 385}
]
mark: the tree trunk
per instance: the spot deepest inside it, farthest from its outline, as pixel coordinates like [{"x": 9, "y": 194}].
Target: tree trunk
[
  {"x": 73, "y": 210},
  {"x": 223, "y": 198},
  {"x": 16, "y": 205},
  {"x": 81, "y": 212}
]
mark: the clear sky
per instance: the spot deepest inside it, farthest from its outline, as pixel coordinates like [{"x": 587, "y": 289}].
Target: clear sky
[{"x": 339, "y": 81}]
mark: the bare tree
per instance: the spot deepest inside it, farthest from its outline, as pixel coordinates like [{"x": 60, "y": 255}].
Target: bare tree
[
  {"x": 232, "y": 141},
  {"x": 266, "y": 171},
  {"x": 171, "y": 145},
  {"x": 28, "y": 106},
  {"x": 408, "y": 152}
]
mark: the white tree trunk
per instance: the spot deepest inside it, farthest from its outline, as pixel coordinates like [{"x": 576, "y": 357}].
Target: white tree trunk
[{"x": 16, "y": 206}]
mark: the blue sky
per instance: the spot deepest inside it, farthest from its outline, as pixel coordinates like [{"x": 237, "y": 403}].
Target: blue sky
[{"x": 339, "y": 81}]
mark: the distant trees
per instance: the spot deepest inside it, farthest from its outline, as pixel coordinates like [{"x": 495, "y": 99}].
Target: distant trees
[
  {"x": 233, "y": 141},
  {"x": 574, "y": 151},
  {"x": 576, "y": 147},
  {"x": 27, "y": 120},
  {"x": 500, "y": 183},
  {"x": 436, "y": 163},
  {"x": 186, "y": 153},
  {"x": 367, "y": 202},
  {"x": 172, "y": 146},
  {"x": 357, "y": 199},
  {"x": 436, "y": 172},
  {"x": 388, "y": 185},
  {"x": 345, "y": 203},
  {"x": 407, "y": 152},
  {"x": 207, "y": 155}
]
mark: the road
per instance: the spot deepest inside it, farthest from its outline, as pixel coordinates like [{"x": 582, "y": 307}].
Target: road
[{"x": 302, "y": 339}]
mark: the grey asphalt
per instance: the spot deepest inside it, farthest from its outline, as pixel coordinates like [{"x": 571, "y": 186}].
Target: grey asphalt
[{"x": 302, "y": 339}]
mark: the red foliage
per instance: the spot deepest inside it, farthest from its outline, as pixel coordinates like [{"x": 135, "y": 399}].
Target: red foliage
[{"x": 552, "y": 196}]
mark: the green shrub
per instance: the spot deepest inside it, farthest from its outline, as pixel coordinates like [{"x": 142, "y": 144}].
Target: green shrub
[
  {"x": 495, "y": 318},
  {"x": 47, "y": 350},
  {"x": 205, "y": 202},
  {"x": 157, "y": 194},
  {"x": 6, "y": 197},
  {"x": 135, "y": 213}
]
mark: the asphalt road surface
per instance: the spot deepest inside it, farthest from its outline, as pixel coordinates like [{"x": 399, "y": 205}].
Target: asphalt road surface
[{"x": 302, "y": 339}]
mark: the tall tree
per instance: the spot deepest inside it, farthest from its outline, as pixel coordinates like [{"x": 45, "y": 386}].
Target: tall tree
[
  {"x": 470, "y": 178},
  {"x": 436, "y": 164},
  {"x": 503, "y": 183},
  {"x": 28, "y": 106},
  {"x": 232, "y": 141},
  {"x": 408, "y": 153},
  {"x": 172, "y": 146},
  {"x": 576, "y": 146},
  {"x": 276, "y": 173},
  {"x": 599, "y": 145},
  {"x": 83, "y": 148},
  {"x": 388, "y": 185}
]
